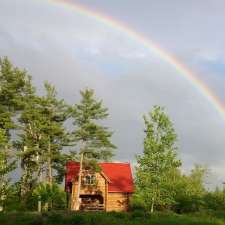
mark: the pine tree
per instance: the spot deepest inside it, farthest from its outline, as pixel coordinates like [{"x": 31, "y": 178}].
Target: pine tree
[
  {"x": 92, "y": 137},
  {"x": 13, "y": 85},
  {"x": 44, "y": 135},
  {"x": 30, "y": 143},
  {"x": 88, "y": 131},
  {"x": 7, "y": 164},
  {"x": 158, "y": 161},
  {"x": 56, "y": 113}
]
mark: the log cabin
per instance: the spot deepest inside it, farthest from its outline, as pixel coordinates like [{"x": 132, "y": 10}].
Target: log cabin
[{"x": 109, "y": 189}]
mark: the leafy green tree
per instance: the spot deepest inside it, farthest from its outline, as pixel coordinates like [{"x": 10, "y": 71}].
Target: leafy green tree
[
  {"x": 50, "y": 193},
  {"x": 215, "y": 200},
  {"x": 89, "y": 132},
  {"x": 190, "y": 190},
  {"x": 159, "y": 160}
]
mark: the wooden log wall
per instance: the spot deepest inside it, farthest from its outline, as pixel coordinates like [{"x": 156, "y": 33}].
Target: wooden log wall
[
  {"x": 118, "y": 202},
  {"x": 99, "y": 189},
  {"x": 112, "y": 201}
]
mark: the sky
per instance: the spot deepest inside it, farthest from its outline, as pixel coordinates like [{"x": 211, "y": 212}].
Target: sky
[{"x": 75, "y": 51}]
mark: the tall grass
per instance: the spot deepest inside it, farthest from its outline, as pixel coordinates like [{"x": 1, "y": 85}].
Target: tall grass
[{"x": 131, "y": 218}]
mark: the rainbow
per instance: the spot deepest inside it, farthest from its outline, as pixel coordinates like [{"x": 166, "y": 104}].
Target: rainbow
[{"x": 148, "y": 44}]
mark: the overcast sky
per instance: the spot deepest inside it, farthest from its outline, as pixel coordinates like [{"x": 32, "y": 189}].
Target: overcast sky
[{"x": 74, "y": 51}]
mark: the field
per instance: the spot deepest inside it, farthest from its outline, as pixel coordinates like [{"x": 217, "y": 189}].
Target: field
[{"x": 132, "y": 218}]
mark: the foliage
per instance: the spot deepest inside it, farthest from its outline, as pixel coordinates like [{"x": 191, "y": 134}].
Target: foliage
[
  {"x": 190, "y": 190},
  {"x": 215, "y": 200},
  {"x": 156, "y": 167},
  {"x": 113, "y": 218},
  {"x": 43, "y": 126},
  {"x": 14, "y": 83},
  {"x": 93, "y": 137},
  {"x": 36, "y": 126},
  {"x": 43, "y": 134},
  {"x": 51, "y": 194},
  {"x": 7, "y": 164}
]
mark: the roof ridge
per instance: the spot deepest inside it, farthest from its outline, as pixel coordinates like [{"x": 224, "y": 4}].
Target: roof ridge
[
  {"x": 116, "y": 162},
  {"x": 71, "y": 161}
]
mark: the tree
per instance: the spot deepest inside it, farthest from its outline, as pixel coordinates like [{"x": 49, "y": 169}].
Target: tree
[
  {"x": 158, "y": 161},
  {"x": 30, "y": 143},
  {"x": 215, "y": 200},
  {"x": 89, "y": 133},
  {"x": 44, "y": 135},
  {"x": 56, "y": 113},
  {"x": 13, "y": 85},
  {"x": 50, "y": 193},
  {"x": 7, "y": 164},
  {"x": 190, "y": 190}
]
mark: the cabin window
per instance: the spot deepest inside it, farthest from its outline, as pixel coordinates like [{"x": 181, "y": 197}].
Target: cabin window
[{"x": 89, "y": 180}]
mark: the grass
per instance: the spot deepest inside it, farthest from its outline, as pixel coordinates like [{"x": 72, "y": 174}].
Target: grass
[{"x": 131, "y": 218}]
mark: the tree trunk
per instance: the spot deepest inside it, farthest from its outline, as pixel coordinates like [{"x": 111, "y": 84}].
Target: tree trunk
[
  {"x": 152, "y": 205},
  {"x": 39, "y": 206},
  {"x": 3, "y": 184},
  {"x": 39, "y": 174},
  {"x": 77, "y": 202},
  {"x": 23, "y": 178},
  {"x": 49, "y": 174},
  {"x": 49, "y": 164}
]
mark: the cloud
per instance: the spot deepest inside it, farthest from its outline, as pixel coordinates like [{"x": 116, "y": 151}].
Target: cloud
[{"x": 74, "y": 52}]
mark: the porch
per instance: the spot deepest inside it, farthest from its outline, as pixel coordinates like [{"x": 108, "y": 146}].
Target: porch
[{"x": 92, "y": 203}]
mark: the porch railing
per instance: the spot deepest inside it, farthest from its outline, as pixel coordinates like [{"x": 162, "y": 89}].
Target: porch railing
[{"x": 92, "y": 207}]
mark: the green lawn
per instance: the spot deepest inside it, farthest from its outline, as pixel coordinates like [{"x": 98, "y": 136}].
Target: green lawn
[{"x": 132, "y": 218}]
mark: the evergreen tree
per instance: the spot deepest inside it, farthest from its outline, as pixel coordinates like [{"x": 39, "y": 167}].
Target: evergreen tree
[
  {"x": 158, "y": 161},
  {"x": 92, "y": 137},
  {"x": 88, "y": 130},
  {"x": 14, "y": 83},
  {"x": 44, "y": 135},
  {"x": 56, "y": 113},
  {"x": 30, "y": 145},
  {"x": 7, "y": 164}
]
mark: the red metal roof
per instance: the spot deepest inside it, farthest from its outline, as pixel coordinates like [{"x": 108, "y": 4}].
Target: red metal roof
[{"x": 119, "y": 174}]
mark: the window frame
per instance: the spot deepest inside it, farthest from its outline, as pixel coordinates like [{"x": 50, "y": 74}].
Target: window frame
[{"x": 89, "y": 180}]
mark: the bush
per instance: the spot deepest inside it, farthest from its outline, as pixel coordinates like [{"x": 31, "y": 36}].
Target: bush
[
  {"x": 138, "y": 214},
  {"x": 215, "y": 200},
  {"x": 53, "y": 195},
  {"x": 103, "y": 218},
  {"x": 136, "y": 203}
]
